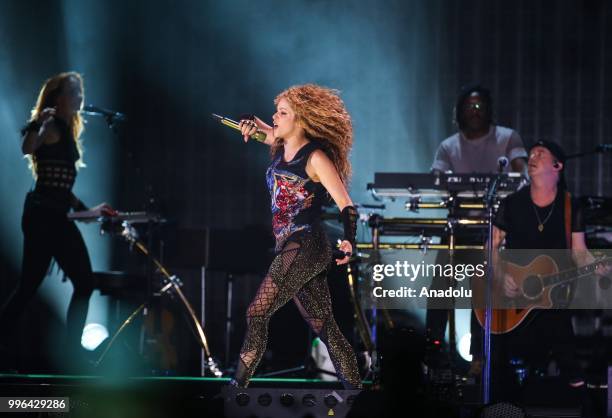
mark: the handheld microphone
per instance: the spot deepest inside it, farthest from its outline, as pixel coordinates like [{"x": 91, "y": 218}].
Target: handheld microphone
[
  {"x": 339, "y": 255},
  {"x": 502, "y": 162},
  {"x": 258, "y": 136},
  {"x": 98, "y": 111}
]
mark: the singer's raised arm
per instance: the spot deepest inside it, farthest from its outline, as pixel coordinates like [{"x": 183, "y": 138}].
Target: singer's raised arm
[{"x": 249, "y": 127}]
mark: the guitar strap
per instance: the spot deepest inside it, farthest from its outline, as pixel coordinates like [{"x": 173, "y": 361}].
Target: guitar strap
[{"x": 568, "y": 219}]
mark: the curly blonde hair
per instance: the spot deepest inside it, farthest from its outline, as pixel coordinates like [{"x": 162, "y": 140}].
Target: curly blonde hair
[
  {"x": 47, "y": 97},
  {"x": 323, "y": 116}
]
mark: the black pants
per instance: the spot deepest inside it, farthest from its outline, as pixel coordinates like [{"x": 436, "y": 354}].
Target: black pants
[
  {"x": 545, "y": 335},
  {"x": 49, "y": 234},
  {"x": 298, "y": 272}
]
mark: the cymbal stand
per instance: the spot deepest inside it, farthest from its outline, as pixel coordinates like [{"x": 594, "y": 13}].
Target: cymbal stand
[{"x": 171, "y": 283}]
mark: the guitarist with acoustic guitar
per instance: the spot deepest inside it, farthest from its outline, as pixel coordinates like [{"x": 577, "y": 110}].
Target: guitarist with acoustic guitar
[{"x": 541, "y": 216}]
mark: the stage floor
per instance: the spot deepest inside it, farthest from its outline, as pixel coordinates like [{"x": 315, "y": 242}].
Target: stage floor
[{"x": 149, "y": 396}]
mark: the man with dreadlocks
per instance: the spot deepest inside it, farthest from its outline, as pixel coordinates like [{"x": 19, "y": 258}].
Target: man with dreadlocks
[
  {"x": 479, "y": 142},
  {"x": 475, "y": 148},
  {"x": 310, "y": 141}
]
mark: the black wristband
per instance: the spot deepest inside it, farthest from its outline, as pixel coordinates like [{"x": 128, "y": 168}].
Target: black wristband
[
  {"x": 349, "y": 216},
  {"x": 81, "y": 206},
  {"x": 32, "y": 125},
  {"x": 78, "y": 205}
]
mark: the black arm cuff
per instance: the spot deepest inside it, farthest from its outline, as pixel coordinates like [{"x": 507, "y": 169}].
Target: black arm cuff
[
  {"x": 31, "y": 126},
  {"x": 349, "y": 221},
  {"x": 81, "y": 206},
  {"x": 77, "y": 205}
]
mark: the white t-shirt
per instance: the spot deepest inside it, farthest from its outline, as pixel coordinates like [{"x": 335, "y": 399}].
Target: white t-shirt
[{"x": 479, "y": 155}]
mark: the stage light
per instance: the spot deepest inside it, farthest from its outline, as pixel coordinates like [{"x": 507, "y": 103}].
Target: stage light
[
  {"x": 464, "y": 346},
  {"x": 242, "y": 399},
  {"x": 93, "y": 335},
  {"x": 87, "y": 42},
  {"x": 287, "y": 399},
  {"x": 264, "y": 399},
  {"x": 271, "y": 402},
  {"x": 330, "y": 401},
  {"x": 309, "y": 400}
]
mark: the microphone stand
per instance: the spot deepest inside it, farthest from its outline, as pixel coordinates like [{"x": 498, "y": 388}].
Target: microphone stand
[
  {"x": 110, "y": 118},
  {"x": 171, "y": 283},
  {"x": 111, "y": 121},
  {"x": 489, "y": 201},
  {"x": 151, "y": 205}
]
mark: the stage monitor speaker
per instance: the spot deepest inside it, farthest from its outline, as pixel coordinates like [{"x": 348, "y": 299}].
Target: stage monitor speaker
[
  {"x": 287, "y": 403},
  {"x": 502, "y": 410}
]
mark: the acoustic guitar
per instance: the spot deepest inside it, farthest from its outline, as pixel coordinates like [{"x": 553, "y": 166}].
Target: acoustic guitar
[{"x": 535, "y": 282}]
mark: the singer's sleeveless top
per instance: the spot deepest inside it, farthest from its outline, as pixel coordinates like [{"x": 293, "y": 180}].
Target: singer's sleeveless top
[
  {"x": 296, "y": 199},
  {"x": 56, "y": 171}
]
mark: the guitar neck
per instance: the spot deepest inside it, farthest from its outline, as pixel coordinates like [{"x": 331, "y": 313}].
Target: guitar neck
[{"x": 570, "y": 275}]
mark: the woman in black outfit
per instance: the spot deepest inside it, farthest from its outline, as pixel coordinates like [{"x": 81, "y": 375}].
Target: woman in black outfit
[
  {"x": 52, "y": 145},
  {"x": 310, "y": 142}
]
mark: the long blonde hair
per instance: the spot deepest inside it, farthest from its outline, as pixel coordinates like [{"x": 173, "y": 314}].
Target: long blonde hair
[
  {"x": 47, "y": 97},
  {"x": 323, "y": 116}
]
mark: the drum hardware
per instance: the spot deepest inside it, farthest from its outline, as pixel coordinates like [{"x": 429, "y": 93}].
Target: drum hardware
[
  {"x": 118, "y": 226},
  {"x": 424, "y": 242},
  {"x": 460, "y": 194}
]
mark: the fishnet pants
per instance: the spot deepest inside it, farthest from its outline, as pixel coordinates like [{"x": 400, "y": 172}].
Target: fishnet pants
[{"x": 298, "y": 272}]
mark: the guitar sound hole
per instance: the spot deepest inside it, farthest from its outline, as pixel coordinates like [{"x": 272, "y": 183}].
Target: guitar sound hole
[{"x": 532, "y": 287}]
